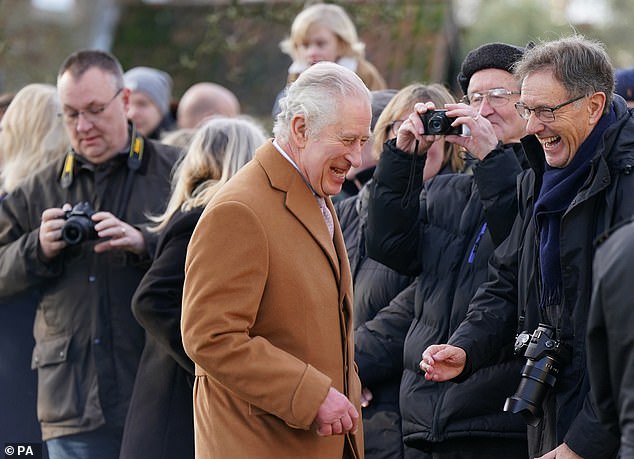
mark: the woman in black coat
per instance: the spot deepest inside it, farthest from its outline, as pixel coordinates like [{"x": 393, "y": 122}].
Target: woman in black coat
[
  {"x": 376, "y": 286},
  {"x": 160, "y": 422}
]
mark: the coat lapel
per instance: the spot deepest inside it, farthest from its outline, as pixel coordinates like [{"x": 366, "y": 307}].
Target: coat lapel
[{"x": 300, "y": 201}]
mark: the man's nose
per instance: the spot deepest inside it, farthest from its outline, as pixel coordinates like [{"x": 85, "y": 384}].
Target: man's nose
[
  {"x": 83, "y": 123},
  {"x": 354, "y": 155},
  {"x": 533, "y": 125},
  {"x": 485, "y": 108}
]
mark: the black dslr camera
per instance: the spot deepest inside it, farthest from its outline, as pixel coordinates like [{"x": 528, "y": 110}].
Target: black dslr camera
[
  {"x": 544, "y": 357},
  {"x": 436, "y": 122},
  {"x": 79, "y": 227}
]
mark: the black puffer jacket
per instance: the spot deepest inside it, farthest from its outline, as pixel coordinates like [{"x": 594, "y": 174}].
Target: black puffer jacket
[
  {"x": 375, "y": 285},
  {"x": 510, "y": 301},
  {"x": 443, "y": 238}
]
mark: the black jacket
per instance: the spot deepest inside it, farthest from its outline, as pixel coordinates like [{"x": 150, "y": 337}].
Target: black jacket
[
  {"x": 160, "y": 421},
  {"x": 610, "y": 331},
  {"x": 439, "y": 234},
  {"x": 87, "y": 341},
  {"x": 509, "y": 302},
  {"x": 375, "y": 285}
]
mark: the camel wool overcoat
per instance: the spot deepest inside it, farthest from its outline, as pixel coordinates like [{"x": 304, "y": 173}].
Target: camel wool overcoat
[{"x": 267, "y": 311}]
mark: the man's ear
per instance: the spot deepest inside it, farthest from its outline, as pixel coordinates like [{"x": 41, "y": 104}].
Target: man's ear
[
  {"x": 596, "y": 104},
  {"x": 299, "y": 130}
]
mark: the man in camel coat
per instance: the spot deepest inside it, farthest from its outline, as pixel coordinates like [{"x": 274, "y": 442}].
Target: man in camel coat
[{"x": 268, "y": 293}]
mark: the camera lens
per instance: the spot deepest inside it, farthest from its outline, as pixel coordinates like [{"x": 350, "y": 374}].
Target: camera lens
[
  {"x": 436, "y": 125},
  {"x": 72, "y": 233},
  {"x": 537, "y": 379}
]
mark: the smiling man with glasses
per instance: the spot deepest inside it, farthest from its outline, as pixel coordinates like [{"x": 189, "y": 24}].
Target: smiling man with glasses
[
  {"x": 88, "y": 343},
  {"x": 580, "y": 184}
]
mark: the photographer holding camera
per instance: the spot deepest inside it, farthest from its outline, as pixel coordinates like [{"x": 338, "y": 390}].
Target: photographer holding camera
[
  {"x": 86, "y": 261},
  {"x": 579, "y": 185},
  {"x": 442, "y": 227}
]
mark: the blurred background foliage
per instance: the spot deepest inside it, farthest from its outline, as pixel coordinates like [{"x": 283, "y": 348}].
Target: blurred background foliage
[{"x": 235, "y": 42}]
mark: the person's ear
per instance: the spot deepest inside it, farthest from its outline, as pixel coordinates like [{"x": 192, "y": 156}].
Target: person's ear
[
  {"x": 126, "y": 98},
  {"x": 596, "y": 104},
  {"x": 299, "y": 130}
]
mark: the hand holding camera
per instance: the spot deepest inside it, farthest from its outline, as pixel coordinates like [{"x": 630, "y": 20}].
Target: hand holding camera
[{"x": 72, "y": 226}]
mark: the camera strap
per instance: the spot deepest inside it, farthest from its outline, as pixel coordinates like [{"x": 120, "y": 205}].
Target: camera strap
[
  {"x": 135, "y": 157},
  {"x": 134, "y": 161}
]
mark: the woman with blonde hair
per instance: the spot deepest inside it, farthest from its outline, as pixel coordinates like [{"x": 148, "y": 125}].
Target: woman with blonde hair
[
  {"x": 325, "y": 32},
  {"x": 399, "y": 108},
  {"x": 31, "y": 133},
  {"x": 376, "y": 285},
  {"x": 161, "y": 404}
]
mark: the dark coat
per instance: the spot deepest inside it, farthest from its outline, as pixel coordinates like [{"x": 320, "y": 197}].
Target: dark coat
[
  {"x": 18, "y": 397},
  {"x": 509, "y": 302},
  {"x": 88, "y": 343},
  {"x": 438, "y": 233},
  {"x": 160, "y": 421},
  {"x": 375, "y": 285},
  {"x": 610, "y": 332}
]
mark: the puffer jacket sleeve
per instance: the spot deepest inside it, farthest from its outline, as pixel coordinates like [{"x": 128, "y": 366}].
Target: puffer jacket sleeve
[
  {"x": 490, "y": 324},
  {"x": 379, "y": 342},
  {"x": 496, "y": 179},
  {"x": 393, "y": 211}
]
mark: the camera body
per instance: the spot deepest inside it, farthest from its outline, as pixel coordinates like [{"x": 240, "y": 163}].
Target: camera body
[
  {"x": 436, "y": 122},
  {"x": 79, "y": 227},
  {"x": 545, "y": 356}
]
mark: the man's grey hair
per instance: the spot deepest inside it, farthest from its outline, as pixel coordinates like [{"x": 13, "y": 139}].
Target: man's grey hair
[
  {"x": 316, "y": 95},
  {"x": 581, "y": 65}
]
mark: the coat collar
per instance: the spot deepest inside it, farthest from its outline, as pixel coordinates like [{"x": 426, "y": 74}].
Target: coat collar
[{"x": 301, "y": 202}]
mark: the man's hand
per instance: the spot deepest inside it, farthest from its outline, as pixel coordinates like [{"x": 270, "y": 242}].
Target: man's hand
[
  {"x": 561, "y": 452},
  {"x": 481, "y": 139},
  {"x": 442, "y": 362},
  {"x": 50, "y": 236},
  {"x": 336, "y": 415},
  {"x": 121, "y": 235}
]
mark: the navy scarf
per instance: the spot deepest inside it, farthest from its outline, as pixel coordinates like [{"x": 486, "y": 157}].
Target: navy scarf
[{"x": 559, "y": 187}]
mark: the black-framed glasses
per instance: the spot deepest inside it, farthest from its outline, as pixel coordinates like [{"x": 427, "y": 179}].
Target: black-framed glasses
[
  {"x": 91, "y": 114},
  {"x": 496, "y": 97},
  {"x": 545, "y": 114},
  {"x": 395, "y": 126}
]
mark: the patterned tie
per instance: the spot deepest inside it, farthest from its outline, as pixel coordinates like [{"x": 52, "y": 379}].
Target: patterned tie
[{"x": 327, "y": 215}]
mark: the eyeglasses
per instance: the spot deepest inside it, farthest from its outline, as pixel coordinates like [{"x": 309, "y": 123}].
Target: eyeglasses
[
  {"x": 92, "y": 114},
  {"x": 545, "y": 114},
  {"x": 496, "y": 97},
  {"x": 395, "y": 126}
]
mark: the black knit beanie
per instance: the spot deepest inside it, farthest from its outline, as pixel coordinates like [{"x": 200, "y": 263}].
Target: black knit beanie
[{"x": 488, "y": 56}]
